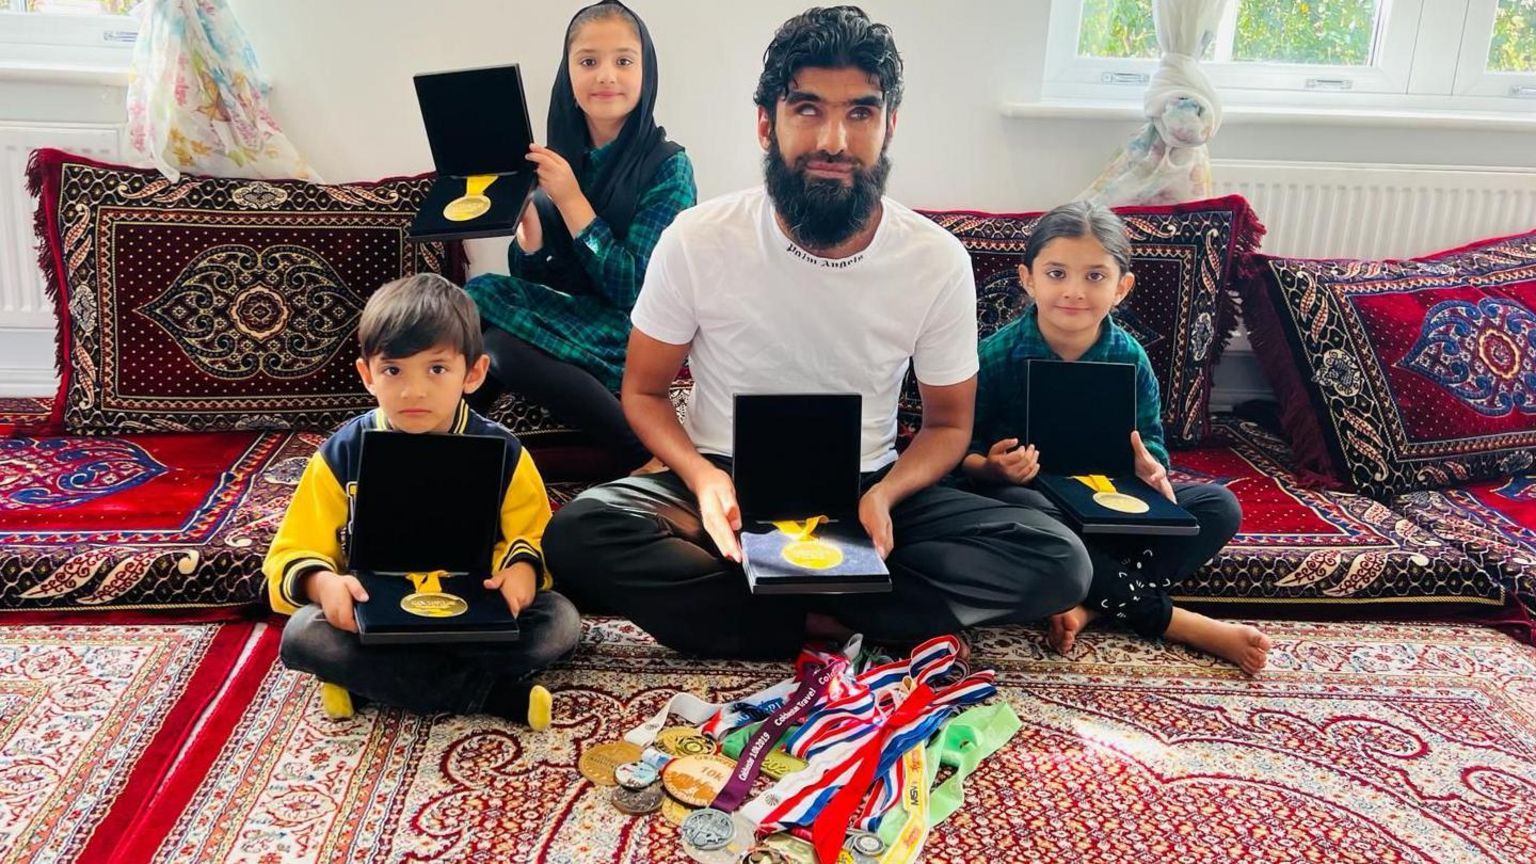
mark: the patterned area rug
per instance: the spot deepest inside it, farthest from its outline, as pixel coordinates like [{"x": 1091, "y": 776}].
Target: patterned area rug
[
  {"x": 1364, "y": 742},
  {"x": 91, "y": 718}
]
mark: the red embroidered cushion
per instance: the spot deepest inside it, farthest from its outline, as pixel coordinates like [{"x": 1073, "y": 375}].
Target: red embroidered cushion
[
  {"x": 1182, "y": 310},
  {"x": 1396, "y": 376},
  {"x": 214, "y": 304}
]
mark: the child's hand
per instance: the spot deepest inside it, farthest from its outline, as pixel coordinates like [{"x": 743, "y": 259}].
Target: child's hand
[
  {"x": 516, "y": 584},
  {"x": 1150, "y": 470},
  {"x": 555, "y": 175},
  {"x": 336, "y": 594},
  {"x": 530, "y": 234},
  {"x": 1014, "y": 467}
]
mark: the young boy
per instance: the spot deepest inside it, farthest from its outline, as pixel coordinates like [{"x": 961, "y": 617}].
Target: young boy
[{"x": 421, "y": 353}]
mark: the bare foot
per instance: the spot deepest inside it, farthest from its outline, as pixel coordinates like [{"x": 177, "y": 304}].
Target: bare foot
[
  {"x": 655, "y": 466},
  {"x": 1065, "y": 626},
  {"x": 1243, "y": 644}
]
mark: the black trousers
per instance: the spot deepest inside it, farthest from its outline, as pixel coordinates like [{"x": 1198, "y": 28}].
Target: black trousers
[
  {"x": 567, "y": 390},
  {"x": 1132, "y": 575},
  {"x": 636, "y": 547}
]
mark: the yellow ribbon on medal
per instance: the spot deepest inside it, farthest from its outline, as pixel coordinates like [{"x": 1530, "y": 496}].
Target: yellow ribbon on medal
[
  {"x": 429, "y": 600},
  {"x": 1105, "y": 495},
  {"x": 803, "y": 549},
  {"x": 473, "y": 203}
]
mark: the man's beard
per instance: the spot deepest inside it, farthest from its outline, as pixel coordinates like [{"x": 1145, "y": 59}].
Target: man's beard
[{"x": 822, "y": 213}]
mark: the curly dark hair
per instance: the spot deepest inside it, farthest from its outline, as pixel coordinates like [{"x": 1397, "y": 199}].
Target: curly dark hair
[{"x": 830, "y": 37}]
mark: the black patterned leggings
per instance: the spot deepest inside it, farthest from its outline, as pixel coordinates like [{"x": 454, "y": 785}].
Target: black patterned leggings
[{"x": 1132, "y": 575}]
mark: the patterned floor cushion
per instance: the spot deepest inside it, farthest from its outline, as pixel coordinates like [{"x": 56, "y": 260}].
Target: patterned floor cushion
[
  {"x": 1303, "y": 546},
  {"x": 159, "y": 521},
  {"x": 1494, "y": 523}
]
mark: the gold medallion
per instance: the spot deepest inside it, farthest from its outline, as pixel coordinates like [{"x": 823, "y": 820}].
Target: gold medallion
[
  {"x": 472, "y": 204},
  {"x": 1120, "y": 502},
  {"x": 674, "y": 811},
  {"x": 778, "y": 763},
  {"x": 696, "y": 780},
  {"x": 813, "y": 554},
  {"x": 434, "y": 605},
  {"x": 685, "y": 741},
  {"x": 600, "y": 763}
]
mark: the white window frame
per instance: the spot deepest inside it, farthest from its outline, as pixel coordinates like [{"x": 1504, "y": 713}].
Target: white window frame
[
  {"x": 1473, "y": 77},
  {"x": 1427, "y": 53},
  {"x": 41, "y": 39}
]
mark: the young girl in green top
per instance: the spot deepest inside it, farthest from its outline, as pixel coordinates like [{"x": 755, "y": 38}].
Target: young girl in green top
[
  {"x": 1077, "y": 269},
  {"x": 609, "y": 182}
]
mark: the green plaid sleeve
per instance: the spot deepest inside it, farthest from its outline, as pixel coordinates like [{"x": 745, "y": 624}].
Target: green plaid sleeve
[
  {"x": 616, "y": 266},
  {"x": 1149, "y": 407}
]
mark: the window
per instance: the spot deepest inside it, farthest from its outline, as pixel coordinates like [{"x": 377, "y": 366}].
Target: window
[
  {"x": 94, "y": 33},
  {"x": 1389, "y": 52}
]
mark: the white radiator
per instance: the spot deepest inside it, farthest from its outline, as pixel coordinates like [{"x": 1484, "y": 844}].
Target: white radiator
[
  {"x": 22, "y": 301},
  {"x": 1325, "y": 209}
]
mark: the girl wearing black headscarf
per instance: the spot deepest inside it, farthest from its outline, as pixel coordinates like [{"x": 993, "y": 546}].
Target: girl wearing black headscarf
[{"x": 609, "y": 182}]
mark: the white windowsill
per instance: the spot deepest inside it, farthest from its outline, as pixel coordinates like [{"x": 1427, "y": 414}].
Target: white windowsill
[
  {"x": 60, "y": 73},
  {"x": 1063, "y": 109}
]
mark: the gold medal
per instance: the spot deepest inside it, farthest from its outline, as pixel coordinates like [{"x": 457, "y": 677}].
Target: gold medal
[
  {"x": 813, "y": 554},
  {"x": 778, "y": 763},
  {"x": 600, "y": 763},
  {"x": 472, "y": 204},
  {"x": 1105, "y": 495},
  {"x": 803, "y": 549},
  {"x": 429, "y": 600},
  {"x": 696, "y": 780},
  {"x": 685, "y": 741},
  {"x": 674, "y": 811},
  {"x": 1120, "y": 502}
]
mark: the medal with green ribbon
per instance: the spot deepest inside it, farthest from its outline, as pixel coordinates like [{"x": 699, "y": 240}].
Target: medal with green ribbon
[
  {"x": 803, "y": 549},
  {"x": 1105, "y": 495}
]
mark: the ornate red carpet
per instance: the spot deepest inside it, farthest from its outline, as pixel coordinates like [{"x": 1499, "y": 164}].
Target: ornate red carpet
[
  {"x": 91, "y": 719},
  {"x": 1364, "y": 742}
]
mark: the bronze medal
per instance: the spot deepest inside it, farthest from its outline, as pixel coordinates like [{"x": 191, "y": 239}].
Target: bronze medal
[
  {"x": 599, "y": 763},
  {"x": 1120, "y": 502},
  {"x": 696, "y": 780},
  {"x": 637, "y": 802}
]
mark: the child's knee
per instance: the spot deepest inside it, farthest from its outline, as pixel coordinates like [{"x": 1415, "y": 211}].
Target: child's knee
[{"x": 310, "y": 644}]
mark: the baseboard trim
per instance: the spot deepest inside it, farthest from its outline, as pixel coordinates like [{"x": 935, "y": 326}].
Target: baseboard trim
[{"x": 28, "y": 382}]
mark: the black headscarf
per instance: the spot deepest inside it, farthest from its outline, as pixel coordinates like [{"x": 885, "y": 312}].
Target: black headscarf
[{"x": 638, "y": 151}]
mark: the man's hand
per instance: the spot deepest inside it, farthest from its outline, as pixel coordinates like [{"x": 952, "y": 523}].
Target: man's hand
[
  {"x": 336, "y": 594},
  {"x": 719, "y": 511},
  {"x": 875, "y": 516},
  {"x": 1150, "y": 470},
  {"x": 517, "y": 585},
  {"x": 1012, "y": 467}
]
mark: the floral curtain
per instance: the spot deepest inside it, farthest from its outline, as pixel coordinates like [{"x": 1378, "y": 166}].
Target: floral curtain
[
  {"x": 1167, "y": 161},
  {"x": 196, "y": 99}
]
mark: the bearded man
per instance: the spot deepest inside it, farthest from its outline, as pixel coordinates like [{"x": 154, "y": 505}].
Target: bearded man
[{"x": 813, "y": 282}]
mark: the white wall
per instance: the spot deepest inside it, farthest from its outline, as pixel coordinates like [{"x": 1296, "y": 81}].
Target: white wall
[
  {"x": 341, "y": 69},
  {"x": 341, "y": 76}
]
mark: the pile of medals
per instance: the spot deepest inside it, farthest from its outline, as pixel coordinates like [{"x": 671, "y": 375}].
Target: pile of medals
[{"x": 842, "y": 759}]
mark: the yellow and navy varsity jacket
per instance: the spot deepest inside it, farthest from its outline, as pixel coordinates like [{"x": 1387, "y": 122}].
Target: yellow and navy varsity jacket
[{"x": 312, "y": 534}]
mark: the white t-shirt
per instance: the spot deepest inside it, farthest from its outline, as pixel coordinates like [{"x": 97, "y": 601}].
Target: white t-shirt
[{"x": 765, "y": 316}]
